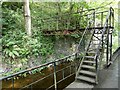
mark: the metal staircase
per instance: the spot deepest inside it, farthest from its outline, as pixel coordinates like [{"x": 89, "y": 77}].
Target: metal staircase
[{"x": 100, "y": 41}]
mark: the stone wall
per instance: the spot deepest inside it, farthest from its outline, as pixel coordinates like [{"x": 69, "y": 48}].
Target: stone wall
[{"x": 64, "y": 46}]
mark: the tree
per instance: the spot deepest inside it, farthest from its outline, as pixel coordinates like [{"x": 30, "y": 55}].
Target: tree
[{"x": 27, "y": 18}]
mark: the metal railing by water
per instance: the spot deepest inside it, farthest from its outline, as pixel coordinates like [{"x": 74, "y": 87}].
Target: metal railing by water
[{"x": 54, "y": 73}]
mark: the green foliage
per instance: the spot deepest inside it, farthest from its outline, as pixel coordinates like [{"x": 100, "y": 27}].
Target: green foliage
[
  {"x": 50, "y": 15},
  {"x": 17, "y": 46},
  {"x": 75, "y": 35},
  {"x": 25, "y": 46}
]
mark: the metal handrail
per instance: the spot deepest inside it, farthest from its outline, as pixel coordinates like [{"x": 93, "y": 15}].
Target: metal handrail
[
  {"x": 104, "y": 30},
  {"x": 65, "y": 21},
  {"x": 39, "y": 66},
  {"x": 103, "y": 33},
  {"x": 56, "y": 17},
  {"x": 92, "y": 9},
  {"x": 87, "y": 45},
  {"x": 89, "y": 22}
]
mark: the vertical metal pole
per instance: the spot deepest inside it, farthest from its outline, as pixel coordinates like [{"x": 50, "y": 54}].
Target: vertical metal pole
[
  {"x": 57, "y": 23},
  {"x": 80, "y": 21},
  {"x": 55, "y": 80},
  {"x": 31, "y": 86},
  {"x": 102, "y": 19},
  {"x": 110, "y": 17},
  {"x": 109, "y": 41},
  {"x": 113, "y": 18},
  {"x": 87, "y": 21},
  {"x": 70, "y": 69},
  {"x": 94, "y": 18},
  {"x": 63, "y": 73},
  {"x": 96, "y": 79},
  {"x": 102, "y": 41},
  {"x": 111, "y": 46},
  {"x": 12, "y": 83},
  {"x": 111, "y": 34},
  {"x": 107, "y": 53}
]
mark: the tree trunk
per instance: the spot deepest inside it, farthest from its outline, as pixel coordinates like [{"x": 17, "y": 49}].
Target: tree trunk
[{"x": 27, "y": 18}]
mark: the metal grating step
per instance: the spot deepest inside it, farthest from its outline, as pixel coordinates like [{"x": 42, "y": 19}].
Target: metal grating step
[
  {"x": 85, "y": 78},
  {"x": 92, "y": 49},
  {"x": 86, "y": 61},
  {"x": 92, "y": 57},
  {"x": 88, "y": 67},
  {"x": 91, "y": 52},
  {"x": 88, "y": 73}
]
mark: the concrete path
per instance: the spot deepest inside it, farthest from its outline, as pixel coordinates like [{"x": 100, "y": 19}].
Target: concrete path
[
  {"x": 77, "y": 84},
  {"x": 109, "y": 78}
]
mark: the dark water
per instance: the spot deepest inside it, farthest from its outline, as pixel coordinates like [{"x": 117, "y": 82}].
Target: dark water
[{"x": 45, "y": 83}]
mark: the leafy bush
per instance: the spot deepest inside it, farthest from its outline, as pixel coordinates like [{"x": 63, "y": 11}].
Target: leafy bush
[{"x": 16, "y": 45}]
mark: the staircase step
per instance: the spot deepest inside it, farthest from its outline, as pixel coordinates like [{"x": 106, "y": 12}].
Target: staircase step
[
  {"x": 85, "y": 78},
  {"x": 88, "y": 73},
  {"x": 90, "y": 49},
  {"x": 91, "y": 52},
  {"x": 95, "y": 40},
  {"x": 86, "y": 61},
  {"x": 92, "y": 57},
  {"x": 88, "y": 67},
  {"x": 94, "y": 44}
]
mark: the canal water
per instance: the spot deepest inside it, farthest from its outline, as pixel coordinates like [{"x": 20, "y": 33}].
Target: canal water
[{"x": 46, "y": 82}]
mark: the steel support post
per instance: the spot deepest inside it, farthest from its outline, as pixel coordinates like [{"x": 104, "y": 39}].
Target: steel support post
[
  {"x": 107, "y": 53},
  {"x": 55, "y": 77}
]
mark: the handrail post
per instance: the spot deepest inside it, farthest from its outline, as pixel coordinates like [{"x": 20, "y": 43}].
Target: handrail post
[
  {"x": 112, "y": 23},
  {"x": 107, "y": 53},
  {"x": 110, "y": 17},
  {"x": 113, "y": 17},
  {"x": 57, "y": 24},
  {"x": 96, "y": 67},
  {"x": 13, "y": 83},
  {"x": 94, "y": 18},
  {"x": 55, "y": 78},
  {"x": 102, "y": 19},
  {"x": 111, "y": 46},
  {"x": 102, "y": 41}
]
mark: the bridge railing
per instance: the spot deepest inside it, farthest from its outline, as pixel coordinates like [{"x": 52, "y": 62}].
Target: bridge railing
[
  {"x": 73, "y": 21},
  {"x": 67, "y": 21}
]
